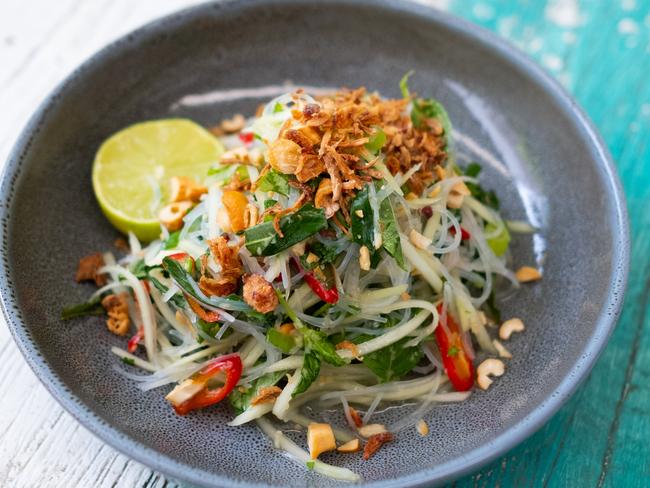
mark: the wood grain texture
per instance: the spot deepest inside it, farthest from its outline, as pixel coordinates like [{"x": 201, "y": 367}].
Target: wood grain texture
[{"x": 600, "y": 50}]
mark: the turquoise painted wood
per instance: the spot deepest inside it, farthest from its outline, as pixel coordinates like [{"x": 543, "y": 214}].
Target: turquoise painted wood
[{"x": 599, "y": 50}]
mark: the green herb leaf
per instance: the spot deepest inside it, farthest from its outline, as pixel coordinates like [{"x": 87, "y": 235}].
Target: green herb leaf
[
  {"x": 274, "y": 181},
  {"x": 390, "y": 232},
  {"x": 241, "y": 400},
  {"x": 488, "y": 198},
  {"x": 392, "y": 362},
  {"x": 172, "y": 240},
  {"x": 128, "y": 361},
  {"x": 278, "y": 107},
  {"x": 308, "y": 373},
  {"x": 325, "y": 254},
  {"x": 91, "y": 307},
  {"x": 361, "y": 217},
  {"x": 262, "y": 240},
  {"x": 310, "y": 465},
  {"x": 429, "y": 108},
  {"x": 376, "y": 141},
  {"x": 284, "y": 342},
  {"x": 269, "y": 203},
  {"x": 317, "y": 341},
  {"x": 177, "y": 299}
]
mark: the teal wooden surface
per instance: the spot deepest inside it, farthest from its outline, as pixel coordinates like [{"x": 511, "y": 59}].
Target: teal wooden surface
[{"x": 600, "y": 51}]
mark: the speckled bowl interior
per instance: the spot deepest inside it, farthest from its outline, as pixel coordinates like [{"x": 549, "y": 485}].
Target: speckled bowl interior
[{"x": 539, "y": 153}]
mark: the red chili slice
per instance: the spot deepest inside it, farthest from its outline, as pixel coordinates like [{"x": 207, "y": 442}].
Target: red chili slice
[
  {"x": 230, "y": 365},
  {"x": 328, "y": 295},
  {"x": 464, "y": 235},
  {"x": 246, "y": 137},
  {"x": 132, "y": 345},
  {"x": 455, "y": 358}
]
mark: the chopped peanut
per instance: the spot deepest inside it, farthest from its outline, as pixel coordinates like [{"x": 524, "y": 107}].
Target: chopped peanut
[
  {"x": 375, "y": 442},
  {"x": 422, "y": 428},
  {"x": 320, "y": 439},
  {"x": 183, "y": 188},
  {"x": 527, "y": 274},
  {"x": 364, "y": 258},
  {"x": 359, "y": 213},
  {"x": 88, "y": 269},
  {"x": 351, "y": 446},
  {"x": 259, "y": 293},
  {"x": 171, "y": 216}
]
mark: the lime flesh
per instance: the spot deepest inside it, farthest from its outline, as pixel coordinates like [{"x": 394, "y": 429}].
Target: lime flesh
[{"x": 132, "y": 169}]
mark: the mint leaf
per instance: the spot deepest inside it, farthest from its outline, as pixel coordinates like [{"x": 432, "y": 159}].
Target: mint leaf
[
  {"x": 309, "y": 372},
  {"x": 274, "y": 181},
  {"x": 392, "y": 362},
  {"x": 262, "y": 240},
  {"x": 241, "y": 400}
]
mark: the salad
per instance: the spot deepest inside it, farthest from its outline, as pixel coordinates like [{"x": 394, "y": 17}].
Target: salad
[{"x": 328, "y": 254}]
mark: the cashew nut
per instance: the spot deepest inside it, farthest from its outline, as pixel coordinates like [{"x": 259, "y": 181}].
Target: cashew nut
[
  {"x": 184, "y": 188},
  {"x": 419, "y": 240},
  {"x": 351, "y": 446},
  {"x": 503, "y": 352},
  {"x": 422, "y": 428},
  {"x": 457, "y": 195},
  {"x": 233, "y": 125},
  {"x": 372, "y": 429},
  {"x": 510, "y": 326},
  {"x": 489, "y": 367},
  {"x": 251, "y": 215},
  {"x": 320, "y": 439},
  {"x": 238, "y": 155},
  {"x": 364, "y": 258},
  {"x": 171, "y": 216},
  {"x": 527, "y": 274}
]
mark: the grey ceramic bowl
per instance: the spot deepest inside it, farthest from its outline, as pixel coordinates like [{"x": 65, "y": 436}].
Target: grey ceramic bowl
[{"x": 539, "y": 150}]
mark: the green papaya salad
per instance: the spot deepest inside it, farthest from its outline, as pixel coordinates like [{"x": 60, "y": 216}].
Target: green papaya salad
[{"x": 331, "y": 253}]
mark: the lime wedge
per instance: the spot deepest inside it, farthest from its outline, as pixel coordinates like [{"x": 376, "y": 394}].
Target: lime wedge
[{"x": 132, "y": 169}]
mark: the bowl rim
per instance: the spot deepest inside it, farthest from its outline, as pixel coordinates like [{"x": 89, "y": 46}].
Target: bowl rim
[{"x": 453, "y": 469}]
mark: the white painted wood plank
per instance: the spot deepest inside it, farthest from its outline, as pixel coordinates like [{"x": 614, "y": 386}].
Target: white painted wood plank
[{"x": 40, "y": 42}]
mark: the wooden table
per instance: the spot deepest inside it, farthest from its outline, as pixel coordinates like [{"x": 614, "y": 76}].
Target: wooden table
[{"x": 599, "y": 49}]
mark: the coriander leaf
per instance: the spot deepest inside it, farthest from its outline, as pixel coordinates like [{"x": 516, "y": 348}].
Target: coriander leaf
[
  {"x": 128, "y": 361},
  {"x": 262, "y": 240},
  {"x": 473, "y": 170},
  {"x": 390, "y": 232},
  {"x": 241, "y": 400},
  {"x": 316, "y": 341},
  {"x": 487, "y": 198},
  {"x": 308, "y": 373},
  {"x": 361, "y": 217},
  {"x": 284, "y": 342},
  {"x": 91, "y": 307},
  {"x": 274, "y": 181},
  {"x": 392, "y": 362},
  {"x": 172, "y": 240}
]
